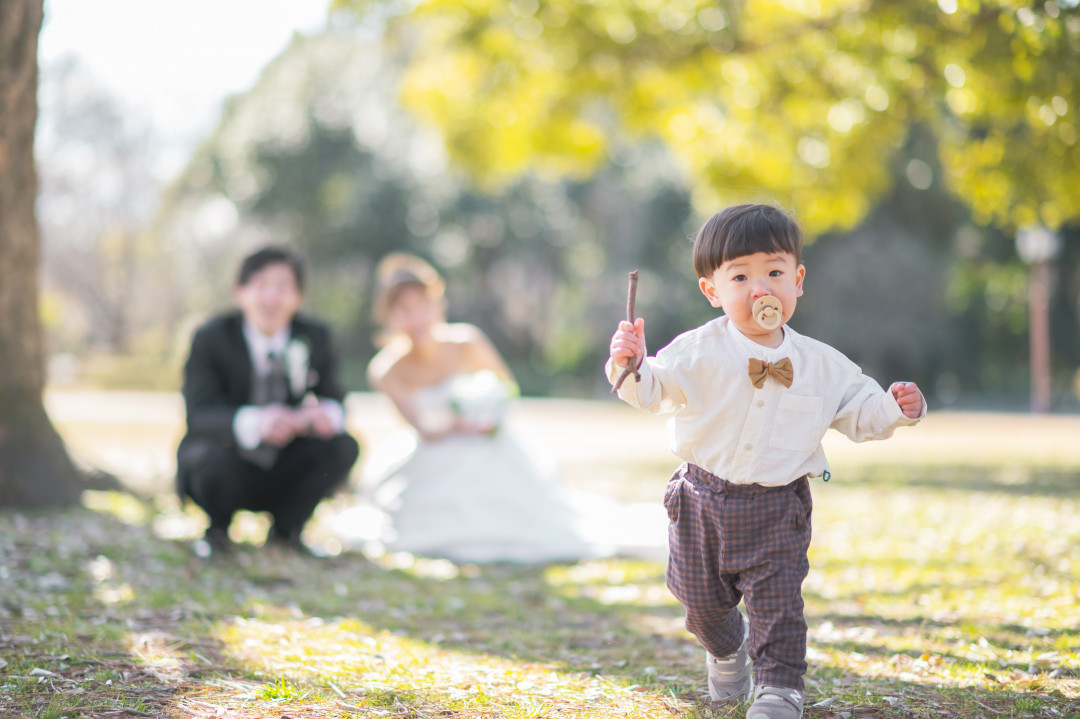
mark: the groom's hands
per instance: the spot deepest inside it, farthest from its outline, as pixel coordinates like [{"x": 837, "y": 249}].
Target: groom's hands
[
  {"x": 316, "y": 421},
  {"x": 280, "y": 424}
]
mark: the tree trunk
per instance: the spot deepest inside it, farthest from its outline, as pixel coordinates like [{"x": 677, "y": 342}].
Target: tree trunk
[{"x": 34, "y": 465}]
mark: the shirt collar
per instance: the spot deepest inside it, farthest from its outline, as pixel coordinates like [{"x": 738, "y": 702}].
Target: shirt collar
[
  {"x": 759, "y": 350},
  {"x": 261, "y": 345}
]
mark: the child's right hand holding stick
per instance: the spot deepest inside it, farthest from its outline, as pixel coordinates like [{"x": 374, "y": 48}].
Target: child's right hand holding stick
[{"x": 628, "y": 345}]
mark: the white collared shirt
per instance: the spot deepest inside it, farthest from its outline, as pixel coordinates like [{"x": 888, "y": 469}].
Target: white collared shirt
[
  {"x": 769, "y": 436},
  {"x": 260, "y": 347},
  {"x": 246, "y": 421}
]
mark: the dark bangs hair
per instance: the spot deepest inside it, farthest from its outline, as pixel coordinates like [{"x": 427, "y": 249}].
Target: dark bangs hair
[
  {"x": 261, "y": 259},
  {"x": 743, "y": 230}
]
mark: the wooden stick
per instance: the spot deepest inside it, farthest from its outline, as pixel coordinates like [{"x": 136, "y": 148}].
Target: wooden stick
[{"x": 632, "y": 365}]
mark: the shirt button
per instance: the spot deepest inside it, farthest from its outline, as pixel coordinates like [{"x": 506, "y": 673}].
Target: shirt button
[
  {"x": 761, "y": 403},
  {"x": 748, "y": 447}
]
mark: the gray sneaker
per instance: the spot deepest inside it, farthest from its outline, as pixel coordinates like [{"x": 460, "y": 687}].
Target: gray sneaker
[
  {"x": 776, "y": 703},
  {"x": 730, "y": 678}
]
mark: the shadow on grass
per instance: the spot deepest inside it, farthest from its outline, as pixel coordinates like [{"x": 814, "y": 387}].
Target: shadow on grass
[{"x": 173, "y": 624}]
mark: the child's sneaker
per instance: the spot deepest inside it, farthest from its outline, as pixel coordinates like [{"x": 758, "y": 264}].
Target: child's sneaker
[
  {"x": 776, "y": 703},
  {"x": 730, "y": 678}
]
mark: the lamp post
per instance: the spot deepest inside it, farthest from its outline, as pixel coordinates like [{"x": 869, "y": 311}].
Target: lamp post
[{"x": 1036, "y": 246}]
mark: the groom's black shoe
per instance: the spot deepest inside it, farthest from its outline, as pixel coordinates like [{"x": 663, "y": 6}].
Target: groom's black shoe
[
  {"x": 215, "y": 543},
  {"x": 289, "y": 542}
]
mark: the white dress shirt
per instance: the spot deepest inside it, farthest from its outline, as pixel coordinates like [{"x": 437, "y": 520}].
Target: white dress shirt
[
  {"x": 247, "y": 419},
  {"x": 769, "y": 436}
]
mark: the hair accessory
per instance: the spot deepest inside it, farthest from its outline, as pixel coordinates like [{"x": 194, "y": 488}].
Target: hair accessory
[{"x": 403, "y": 276}]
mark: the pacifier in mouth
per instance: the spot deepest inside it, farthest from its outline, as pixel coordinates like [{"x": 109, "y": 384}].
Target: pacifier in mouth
[{"x": 768, "y": 312}]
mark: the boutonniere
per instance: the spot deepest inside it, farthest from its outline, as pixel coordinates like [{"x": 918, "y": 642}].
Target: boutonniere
[{"x": 298, "y": 366}]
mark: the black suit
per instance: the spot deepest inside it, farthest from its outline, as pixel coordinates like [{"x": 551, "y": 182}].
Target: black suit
[{"x": 218, "y": 380}]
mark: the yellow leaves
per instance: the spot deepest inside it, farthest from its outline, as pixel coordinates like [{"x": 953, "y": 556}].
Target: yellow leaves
[
  {"x": 524, "y": 8},
  {"x": 735, "y": 71},
  {"x": 975, "y": 169},
  {"x": 1023, "y": 65},
  {"x": 620, "y": 28},
  {"x": 574, "y": 148},
  {"x": 961, "y": 101},
  {"x": 499, "y": 41},
  {"x": 877, "y": 98},
  {"x": 899, "y": 68},
  {"x": 683, "y": 126},
  {"x": 900, "y": 41},
  {"x": 1067, "y": 132},
  {"x": 955, "y": 75},
  {"x": 520, "y": 124},
  {"x": 807, "y": 100},
  {"x": 846, "y": 114},
  {"x": 987, "y": 153},
  {"x": 652, "y": 88},
  {"x": 442, "y": 91},
  {"x": 814, "y": 152}
]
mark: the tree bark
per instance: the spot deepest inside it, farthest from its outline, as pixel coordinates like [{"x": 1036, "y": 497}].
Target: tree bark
[{"x": 35, "y": 468}]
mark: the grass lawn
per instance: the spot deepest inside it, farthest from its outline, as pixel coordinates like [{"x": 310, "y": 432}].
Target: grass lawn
[{"x": 944, "y": 582}]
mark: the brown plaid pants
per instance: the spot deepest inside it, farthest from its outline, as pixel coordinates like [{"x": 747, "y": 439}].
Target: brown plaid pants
[{"x": 734, "y": 541}]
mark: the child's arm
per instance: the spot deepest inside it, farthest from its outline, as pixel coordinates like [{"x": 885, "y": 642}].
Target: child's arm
[
  {"x": 910, "y": 399},
  {"x": 867, "y": 412}
]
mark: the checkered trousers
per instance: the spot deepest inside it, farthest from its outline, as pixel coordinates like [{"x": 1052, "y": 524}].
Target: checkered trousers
[{"x": 734, "y": 541}]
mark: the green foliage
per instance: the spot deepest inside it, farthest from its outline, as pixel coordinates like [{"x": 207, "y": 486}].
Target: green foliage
[
  {"x": 281, "y": 689},
  {"x": 801, "y": 100}
]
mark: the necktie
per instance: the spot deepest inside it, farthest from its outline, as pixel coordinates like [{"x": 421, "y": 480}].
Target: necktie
[
  {"x": 781, "y": 371},
  {"x": 277, "y": 388},
  {"x": 271, "y": 387}
]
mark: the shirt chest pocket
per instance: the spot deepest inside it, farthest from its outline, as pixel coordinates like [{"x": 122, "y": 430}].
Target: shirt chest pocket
[{"x": 798, "y": 423}]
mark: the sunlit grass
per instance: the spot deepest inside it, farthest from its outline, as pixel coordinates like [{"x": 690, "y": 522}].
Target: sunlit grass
[
  {"x": 933, "y": 602},
  {"x": 938, "y": 588}
]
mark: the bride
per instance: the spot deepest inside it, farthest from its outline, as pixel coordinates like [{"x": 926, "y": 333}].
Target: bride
[{"x": 461, "y": 488}]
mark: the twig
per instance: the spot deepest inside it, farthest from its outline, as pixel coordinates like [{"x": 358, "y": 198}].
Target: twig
[
  {"x": 989, "y": 709},
  {"x": 634, "y": 361}
]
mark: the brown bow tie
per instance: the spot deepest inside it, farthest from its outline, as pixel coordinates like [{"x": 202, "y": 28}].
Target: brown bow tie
[{"x": 781, "y": 371}]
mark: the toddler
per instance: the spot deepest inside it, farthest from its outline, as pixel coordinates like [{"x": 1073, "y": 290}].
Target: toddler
[{"x": 751, "y": 399}]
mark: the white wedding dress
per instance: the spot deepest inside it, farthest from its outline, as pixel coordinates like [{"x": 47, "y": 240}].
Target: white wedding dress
[{"x": 482, "y": 498}]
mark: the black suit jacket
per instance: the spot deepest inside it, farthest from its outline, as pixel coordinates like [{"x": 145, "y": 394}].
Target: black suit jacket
[{"x": 218, "y": 380}]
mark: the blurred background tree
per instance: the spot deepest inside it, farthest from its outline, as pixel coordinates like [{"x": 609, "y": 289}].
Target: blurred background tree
[
  {"x": 537, "y": 151},
  {"x": 99, "y": 192},
  {"x": 335, "y": 166}
]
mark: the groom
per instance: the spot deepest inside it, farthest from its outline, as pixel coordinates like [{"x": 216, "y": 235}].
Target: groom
[{"x": 265, "y": 419}]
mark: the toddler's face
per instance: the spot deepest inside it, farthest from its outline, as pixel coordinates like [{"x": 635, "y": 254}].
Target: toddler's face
[{"x": 736, "y": 284}]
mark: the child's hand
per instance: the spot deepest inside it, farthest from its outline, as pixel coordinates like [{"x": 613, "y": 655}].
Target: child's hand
[
  {"x": 628, "y": 341},
  {"x": 908, "y": 396}
]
